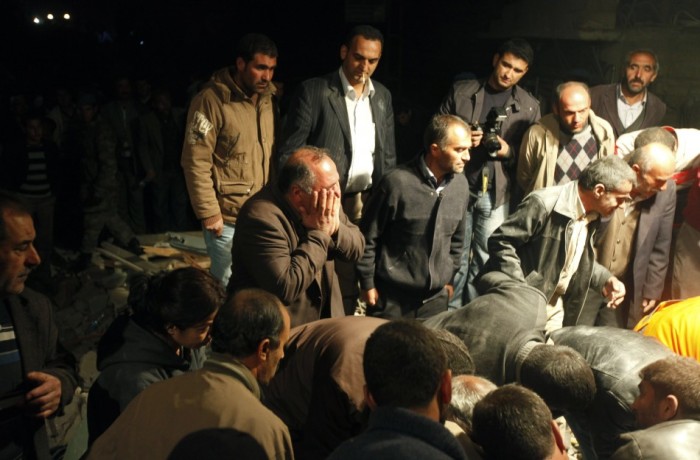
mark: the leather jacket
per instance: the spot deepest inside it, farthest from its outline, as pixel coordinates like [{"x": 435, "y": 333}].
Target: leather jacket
[
  {"x": 615, "y": 356},
  {"x": 535, "y": 237},
  {"x": 671, "y": 440}
]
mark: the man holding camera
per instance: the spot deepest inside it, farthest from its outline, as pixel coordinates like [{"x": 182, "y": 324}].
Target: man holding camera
[
  {"x": 503, "y": 111},
  {"x": 563, "y": 143}
]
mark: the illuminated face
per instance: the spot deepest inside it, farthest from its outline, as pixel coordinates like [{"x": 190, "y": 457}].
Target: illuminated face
[
  {"x": 194, "y": 336},
  {"x": 646, "y": 407},
  {"x": 255, "y": 75},
  {"x": 507, "y": 71},
  {"x": 269, "y": 367},
  {"x": 573, "y": 109},
  {"x": 654, "y": 180},
  {"x": 361, "y": 59},
  {"x": 17, "y": 253},
  {"x": 455, "y": 156},
  {"x": 639, "y": 72}
]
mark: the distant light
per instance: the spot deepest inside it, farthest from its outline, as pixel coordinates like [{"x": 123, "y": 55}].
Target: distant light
[
  {"x": 141, "y": 42},
  {"x": 36, "y": 20},
  {"x": 49, "y": 17},
  {"x": 66, "y": 16}
]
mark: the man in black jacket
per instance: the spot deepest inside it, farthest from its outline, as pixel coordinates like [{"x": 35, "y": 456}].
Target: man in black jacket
[
  {"x": 494, "y": 156},
  {"x": 414, "y": 227},
  {"x": 37, "y": 378}
]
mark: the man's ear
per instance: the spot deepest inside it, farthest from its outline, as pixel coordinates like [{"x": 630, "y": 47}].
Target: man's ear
[
  {"x": 599, "y": 190},
  {"x": 445, "y": 389},
  {"x": 295, "y": 193},
  {"x": 669, "y": 407},
  {"x": 434, "y": 150},
  {"x": 264, "y": 350},
  {"x": 343, "y": 52},
  {"x": 369, "y": 399},
  {"x": 558, "y": 439},
  {"x": 240, "y": 64}
]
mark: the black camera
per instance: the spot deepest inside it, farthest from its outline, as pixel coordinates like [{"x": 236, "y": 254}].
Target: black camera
[{"x": 492, "y": 129}]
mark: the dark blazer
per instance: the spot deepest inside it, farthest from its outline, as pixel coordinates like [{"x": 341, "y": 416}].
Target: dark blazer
[
  {"x": 604, "y": 104},
  {"x": 272, "y": 250},
  {"x": 649, "y": 260},
  {"x": 37, "y": 339},
  {"x": 318, "y": 116}
]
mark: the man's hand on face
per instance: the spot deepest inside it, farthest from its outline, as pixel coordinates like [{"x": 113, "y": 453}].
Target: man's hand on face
[
  {"x": 324, "y": 214},
  {"x": 44, "y": 398}
]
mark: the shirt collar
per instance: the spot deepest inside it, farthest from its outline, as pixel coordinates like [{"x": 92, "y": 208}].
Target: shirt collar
[
  {"x": 621, "y": 96},
  {"x": 348, "y": 90},
  {"x": 428, "y": 174}
]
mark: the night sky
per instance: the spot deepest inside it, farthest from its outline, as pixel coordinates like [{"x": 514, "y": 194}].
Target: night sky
[{"x": 171, "y": 42}]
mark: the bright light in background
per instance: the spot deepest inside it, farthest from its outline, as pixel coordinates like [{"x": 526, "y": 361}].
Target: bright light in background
[{"x": 46, "y": 18}]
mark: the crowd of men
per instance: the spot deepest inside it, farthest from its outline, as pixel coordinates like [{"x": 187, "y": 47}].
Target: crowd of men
[{"x": 456, "y": 305}]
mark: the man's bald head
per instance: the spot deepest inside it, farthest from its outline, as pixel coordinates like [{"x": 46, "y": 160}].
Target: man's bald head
[
  {"x": 654, "y": 165},
  {"x": 467, "y": 390}
]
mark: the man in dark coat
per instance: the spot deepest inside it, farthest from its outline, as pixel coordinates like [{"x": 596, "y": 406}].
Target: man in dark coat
[
  {"x": 289, "y": 235},
  {"x": 317, "y": 391},
  {"x": 37, "y": 377},
  {"x": 351, "y": 115}
]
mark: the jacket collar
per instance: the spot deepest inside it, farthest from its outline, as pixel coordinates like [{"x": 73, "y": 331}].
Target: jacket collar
[
  {"x": 569, "y": 203},
  {"x": 228, "y": 90},
  {"x": 227, "y": 365}
]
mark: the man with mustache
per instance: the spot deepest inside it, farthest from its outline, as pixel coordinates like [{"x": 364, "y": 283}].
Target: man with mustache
[
  {"x": 561, "y": 144},
  {"x": 629, "y": 105},
  {"x": 37, "y": 377},
  {"x": 551, "y": 234},
  {"x": 229, "y": 139},
  {"x": 414, "y": 227},
  {"x": 350, "y": 114}
]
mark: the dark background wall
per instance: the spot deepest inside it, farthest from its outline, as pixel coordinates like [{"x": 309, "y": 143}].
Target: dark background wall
[{"x": 175, "y": 41}]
